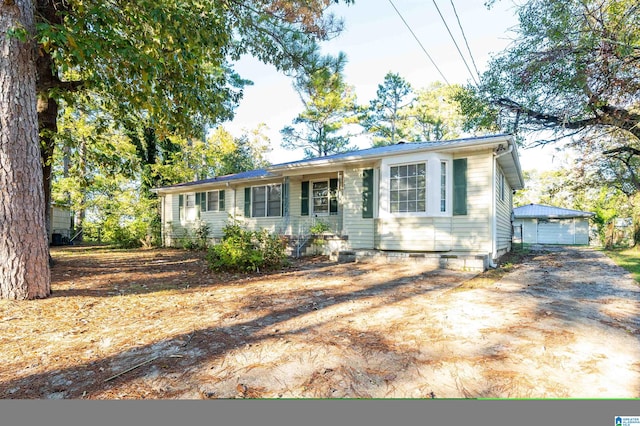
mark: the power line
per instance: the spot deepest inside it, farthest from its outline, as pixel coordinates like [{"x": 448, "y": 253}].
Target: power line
[
  {"x": 473, "y": 61},
  {"x": 455, "y": 43},
  {"x": 416, "y": 38}
]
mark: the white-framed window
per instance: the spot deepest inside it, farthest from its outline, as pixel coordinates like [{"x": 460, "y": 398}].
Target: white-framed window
[
  {"x": 190, "y": 207},
  {"x": 266, "y": 201},
  {"x": 320, "y": 197},
  {"x": 408, "y": 188},
  {"x": 214, "y": 203}
]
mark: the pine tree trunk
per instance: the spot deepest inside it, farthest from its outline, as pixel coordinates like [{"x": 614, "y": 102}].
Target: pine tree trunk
[{"x": 24, "y": 253}]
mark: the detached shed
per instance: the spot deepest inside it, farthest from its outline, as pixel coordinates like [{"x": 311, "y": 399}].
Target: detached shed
[{"x": 540, "y": 224}]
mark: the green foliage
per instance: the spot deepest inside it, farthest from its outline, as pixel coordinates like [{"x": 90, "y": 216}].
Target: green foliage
[
  {"x": 386, "y": 117},
  {"x": 248, "y": 251},
  {"x": 172, "y": 61},
  {"x": 577, "y": 187},
  {"x": 319, "y": 227},
  {"x": 570, "y": 70},
  {"x": 629, "y": 259},
  {"x": 329, "y": 107},
  {"x": 434, "y": 114}
]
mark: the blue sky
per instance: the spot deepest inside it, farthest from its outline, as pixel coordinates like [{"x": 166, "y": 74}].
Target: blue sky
[{"x": 376, "y": 41}]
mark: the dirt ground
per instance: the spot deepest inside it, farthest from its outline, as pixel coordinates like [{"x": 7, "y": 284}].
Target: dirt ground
[{"x": 156, "y": 324}]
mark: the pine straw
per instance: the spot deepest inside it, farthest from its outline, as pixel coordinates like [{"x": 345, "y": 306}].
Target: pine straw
[{"x": 158, "y": 324}]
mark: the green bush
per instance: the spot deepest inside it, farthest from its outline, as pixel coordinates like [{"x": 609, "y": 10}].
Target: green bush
[
  {"x": 244, "y": 250},
  {"x": 319, "y": 227},
  {"x": 195, "y": 239}
]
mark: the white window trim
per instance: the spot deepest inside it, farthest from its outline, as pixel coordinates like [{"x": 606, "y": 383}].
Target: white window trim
[
  {"x": 217, "y": 209},
  {"x": 426, "y": 188},
  {"x": 433, "y": 161},
  {"x": 193, "y": 209}
]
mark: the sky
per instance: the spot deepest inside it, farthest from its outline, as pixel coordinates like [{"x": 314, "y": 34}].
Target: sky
[{"x": 376, "y": 41}]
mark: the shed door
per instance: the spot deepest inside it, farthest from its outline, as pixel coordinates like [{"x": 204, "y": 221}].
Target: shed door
[{"x": 556, "y": 231}]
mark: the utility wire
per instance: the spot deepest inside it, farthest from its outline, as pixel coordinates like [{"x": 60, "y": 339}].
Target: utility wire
[
  {"x": 473, "y": 61},
  {"x": 455, "y": 43},
  {"x": 415, "y": 37}
]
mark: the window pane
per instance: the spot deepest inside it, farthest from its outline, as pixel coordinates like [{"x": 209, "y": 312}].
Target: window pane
[
  {"x": 191, "y": 207},
  {"x": 274, "y": 200},
  {"x": 407, "y": 188},
  {"x": 258, "y": 198},
  {"x": 212, "y": 201},
  {"x": 321, "y": 197}
]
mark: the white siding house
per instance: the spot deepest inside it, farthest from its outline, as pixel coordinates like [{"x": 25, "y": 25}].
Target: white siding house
[
  {"x": 540, "y": 224},
  {"x": 60, "y": 229},
  {"x": 448, "y": 198}
]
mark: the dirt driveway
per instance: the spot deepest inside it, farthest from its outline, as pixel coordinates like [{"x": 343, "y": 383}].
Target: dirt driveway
[{"x": 157, "y": 324}]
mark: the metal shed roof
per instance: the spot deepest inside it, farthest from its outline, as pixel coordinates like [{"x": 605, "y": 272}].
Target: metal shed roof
[{"x": 542, "y": 211}]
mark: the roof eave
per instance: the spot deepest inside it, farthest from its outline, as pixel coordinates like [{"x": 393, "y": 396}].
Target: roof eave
[
  {"x": 210, "y": 185},
  {"x": 357, "y": 158}
]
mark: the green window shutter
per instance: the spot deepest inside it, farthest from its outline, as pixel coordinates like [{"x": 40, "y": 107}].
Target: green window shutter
[
  {"x": 285, "y": 198},
  {"x": 304, "y": 199},
  {"x": 198, "y": 206},
  {"x": 181, "y": 206},
  {"x": 201, "y": 201},
  {"x": 333, "y": 196},
  {"x": 221, "y": 200},
  {"x": 367, "y": 194},
  {"x": 247, "y": 202},
  {"x": 460, "y": 186}
]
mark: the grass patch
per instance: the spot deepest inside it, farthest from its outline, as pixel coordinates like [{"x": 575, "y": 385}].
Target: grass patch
[{"x": 629, "y": 259}]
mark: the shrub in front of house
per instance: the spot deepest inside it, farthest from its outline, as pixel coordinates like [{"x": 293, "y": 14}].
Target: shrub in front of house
[{"x": 248, "y": 251}]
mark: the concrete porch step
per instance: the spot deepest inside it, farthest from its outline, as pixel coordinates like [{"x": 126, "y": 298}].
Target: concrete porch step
[{"x": 449, "y": 260}]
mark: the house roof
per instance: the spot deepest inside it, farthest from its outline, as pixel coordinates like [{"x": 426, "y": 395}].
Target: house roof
[
  {"x": 541, "y": 211},
  {"x": 250, "y": 175},
  {"x": 511, "y": 166},
  {"x": 383, "y": 151}
]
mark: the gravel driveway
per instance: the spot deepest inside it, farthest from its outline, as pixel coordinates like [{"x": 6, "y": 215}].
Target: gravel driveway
[{"x": 575, "y": 324}]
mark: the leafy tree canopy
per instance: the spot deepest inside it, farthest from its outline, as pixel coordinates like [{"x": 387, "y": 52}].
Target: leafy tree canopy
[
  {"x": 386, "y": 117},
  {"x": 574, "y": 70},
  {"x": 434, "y": 114},
  {"x": 329, "y": 106},
  {"x": 173, "y": 59}
]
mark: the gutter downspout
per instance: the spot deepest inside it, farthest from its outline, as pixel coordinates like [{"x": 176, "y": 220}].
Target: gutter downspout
[
  {"x": 162, "y": 230},
  {"x": 494, "y": 224}
]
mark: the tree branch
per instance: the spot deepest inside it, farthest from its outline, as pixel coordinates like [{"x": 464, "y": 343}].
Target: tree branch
[
  {"x": 630, "y": 150},
  {"x": 611, "y": 116}
]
